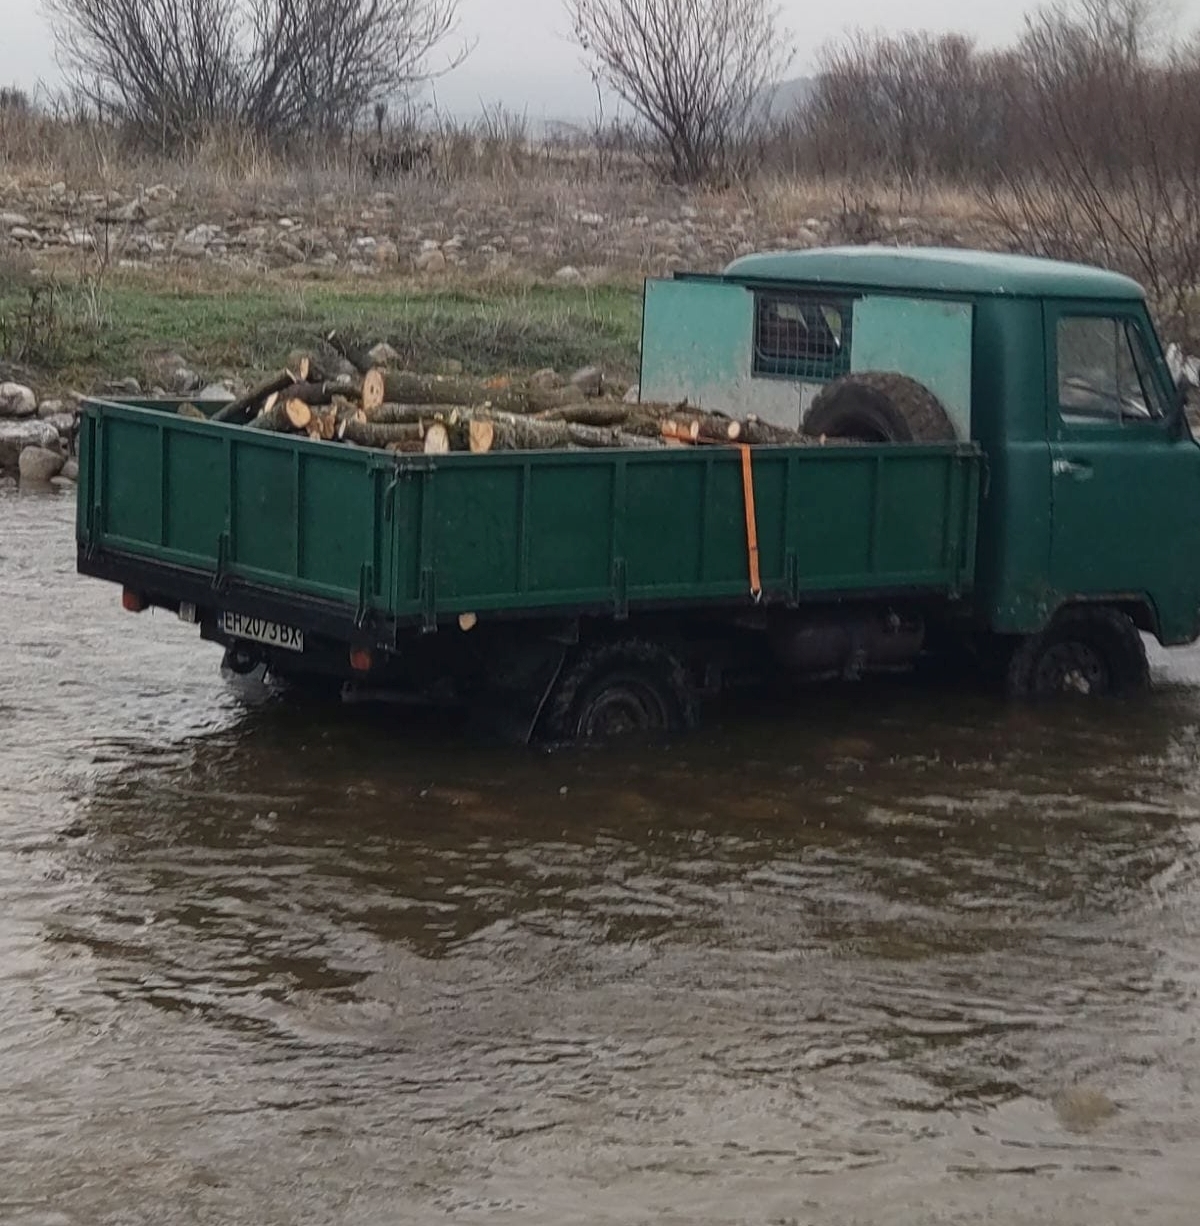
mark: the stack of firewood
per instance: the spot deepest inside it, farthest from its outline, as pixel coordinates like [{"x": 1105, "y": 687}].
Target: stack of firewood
[{"x": 403, "y": 411}]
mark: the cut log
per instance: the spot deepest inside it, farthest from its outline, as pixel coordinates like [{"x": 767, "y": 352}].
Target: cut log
[
  {"x": 240, "y": 411},
  {"x": 314, "y": 394},
  {"x": 354, "y": 354},
  {"x": 755, "y": 430},
  {"x": 706, "y": 427},
  {"x": 298, "y": 412},
  {"x": 404, "y": 387},
  {"x": 437, "y": 439},
  {"x": 191, "y": 412},
  {"x": 378, "y": 434},
  {"x": 481, "y": 435},
  {"x": 282, "y": 415},
  {"x": 595, "y": 413},
  {"x": 399, "y": 413}
]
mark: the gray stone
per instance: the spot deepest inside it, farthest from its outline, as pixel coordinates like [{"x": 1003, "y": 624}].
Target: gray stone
[
  {"x": 382, "y": 354},
  {"x": 589, "y": 380},
  {"x": 591, "y": 220},
  {"x": 213, "y": 391},
  {"x": 201, "y": 235},
  {"x": 431, "y": 261},
  {"x": 430, "y": 244},
  {"x": 124, "y": 387},
  {"x": 21, "y": 234},
  {"x": 51, "y": 408},
  {"x": 8, "y": 220},
  {"x": 364, "y": 248},
  {"x": 17, "y": 400},
  {"x": 386, "y": 252},
  {"x": 569, "y": 275},
  {"x": 292, "y": 252},
  {"x": 70, "y": 470},
  {"x": 327, "y": 259},
  {"x": 633, "y": 395},
  {"x": 160, "y": 193},
  {"x": 181, "y": 380},
  {"x": 38, "y": 464},
  {"x": 62, "y": 483},
  {"x": 547, "y": 378},
  {"x": 64, "y": 423}
]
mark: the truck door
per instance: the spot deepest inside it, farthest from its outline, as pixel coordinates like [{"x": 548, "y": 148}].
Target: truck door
[{"x": 1125, "y": 488}]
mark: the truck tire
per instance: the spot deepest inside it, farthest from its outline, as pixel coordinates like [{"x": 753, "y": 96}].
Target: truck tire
[
  {"x": 1093, "y": 650},
  {"x": 879, "y": 407},
  {"x": 617, "y": 688}
]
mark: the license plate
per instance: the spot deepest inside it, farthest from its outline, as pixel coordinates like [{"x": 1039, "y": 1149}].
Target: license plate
[{"x": 260, "y": 631}]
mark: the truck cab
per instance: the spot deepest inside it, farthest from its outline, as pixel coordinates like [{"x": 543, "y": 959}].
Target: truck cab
[{"x": 1054, "y": 369}]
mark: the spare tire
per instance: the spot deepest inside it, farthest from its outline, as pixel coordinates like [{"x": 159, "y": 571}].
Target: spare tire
[{"x": 879, "y": 407}]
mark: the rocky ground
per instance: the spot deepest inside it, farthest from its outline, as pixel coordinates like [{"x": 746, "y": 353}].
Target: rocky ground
[
  {"x": 37, "y": 438},
  {"x": 553, "y": 230}
]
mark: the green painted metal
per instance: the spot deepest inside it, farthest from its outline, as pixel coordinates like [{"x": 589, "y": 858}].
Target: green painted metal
[
  {"x": 697, "y": 341},
  {"x": 554, "y": 531},
  {"x": 934, "y": 270},
  {"x": 884, "y": 329}
]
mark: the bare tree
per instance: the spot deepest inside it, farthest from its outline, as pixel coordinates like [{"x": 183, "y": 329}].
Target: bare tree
[
  {"x": 172, "y": 70},
  {"x": 693, "y": 70},
  {"x": 1112, "y": 170}
]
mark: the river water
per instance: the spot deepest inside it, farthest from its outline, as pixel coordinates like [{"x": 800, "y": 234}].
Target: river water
[{"x": 895, "y": 956}]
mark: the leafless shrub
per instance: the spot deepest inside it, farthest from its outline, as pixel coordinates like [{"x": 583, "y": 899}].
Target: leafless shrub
[
  {"x": 1113, "y": 175},
  {"x": 692, "y": 70},
  {"x": 172, "y": 71}
]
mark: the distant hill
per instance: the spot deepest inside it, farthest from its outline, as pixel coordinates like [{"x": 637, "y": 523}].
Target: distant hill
[{"x": 787, "y": 96}]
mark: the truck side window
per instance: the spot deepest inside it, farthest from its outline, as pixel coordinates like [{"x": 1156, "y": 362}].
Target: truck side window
[
  {"x": 800, "y": 337},
  {"x": 1104, "y": 372}
]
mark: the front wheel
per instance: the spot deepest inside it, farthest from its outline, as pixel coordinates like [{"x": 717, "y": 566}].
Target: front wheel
[
  {"x": 1093, "y": 651},
  {"x": 617, "y": 689}
]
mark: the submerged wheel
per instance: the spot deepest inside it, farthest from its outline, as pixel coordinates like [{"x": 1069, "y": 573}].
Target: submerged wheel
[
  {"x": 1090, "y": 651},
  {"x": 616, "y": 689},
  {"x": 879, "y": 407}
]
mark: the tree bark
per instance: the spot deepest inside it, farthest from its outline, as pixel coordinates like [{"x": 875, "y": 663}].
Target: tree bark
[
  {"x": 379, "y": 434},
  {"x": 240, "y": 411},
  {"x": 404, "y": 387},
  {"x": 755, "y": 430}
]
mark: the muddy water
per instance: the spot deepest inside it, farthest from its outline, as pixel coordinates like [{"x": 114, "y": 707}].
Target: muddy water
[{"x": 893, "y": 957}]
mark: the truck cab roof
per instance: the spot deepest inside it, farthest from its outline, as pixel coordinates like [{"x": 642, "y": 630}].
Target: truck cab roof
[{"x": 934, "y": 269}]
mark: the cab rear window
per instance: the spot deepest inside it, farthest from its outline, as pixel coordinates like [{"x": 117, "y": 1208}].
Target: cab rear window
[{"x": 800, "y": 336}]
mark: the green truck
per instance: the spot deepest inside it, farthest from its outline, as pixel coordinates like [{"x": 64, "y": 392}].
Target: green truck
[{"x": 999, "y": 468}]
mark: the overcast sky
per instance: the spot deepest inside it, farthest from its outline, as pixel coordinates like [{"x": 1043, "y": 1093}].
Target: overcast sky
[{"x": 524, "y": 59}]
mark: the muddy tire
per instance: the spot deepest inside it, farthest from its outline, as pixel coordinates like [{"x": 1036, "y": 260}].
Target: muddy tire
[
  {"x": 1090, "y": 651},
  {"x": 879, "y": 407},
  {"x": 620, "y": 688}
]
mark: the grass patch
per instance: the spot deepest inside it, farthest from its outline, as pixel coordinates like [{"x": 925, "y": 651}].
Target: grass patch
[{"x": 81, "y": 337}]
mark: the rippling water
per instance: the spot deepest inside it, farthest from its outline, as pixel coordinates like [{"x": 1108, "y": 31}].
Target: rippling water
[{"x": 895, "y": 956}]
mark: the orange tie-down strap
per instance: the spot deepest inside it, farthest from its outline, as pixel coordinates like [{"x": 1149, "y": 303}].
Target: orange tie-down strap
[{"x": 751, "y": 521}]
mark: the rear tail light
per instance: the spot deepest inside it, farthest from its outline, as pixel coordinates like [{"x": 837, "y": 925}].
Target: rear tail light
[{"x": 131, "y": 601}]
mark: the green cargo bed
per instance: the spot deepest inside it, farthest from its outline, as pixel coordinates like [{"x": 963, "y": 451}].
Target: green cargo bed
[{"x": 175, "y": 507}]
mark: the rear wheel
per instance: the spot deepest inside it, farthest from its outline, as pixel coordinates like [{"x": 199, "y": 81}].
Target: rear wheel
[
  {"x": 1090, "y": 651},
  {"x": 617, "y": 689}
]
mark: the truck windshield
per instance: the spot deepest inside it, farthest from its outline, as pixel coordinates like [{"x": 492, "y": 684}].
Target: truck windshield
[{"x": 1104, "y": 371}]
